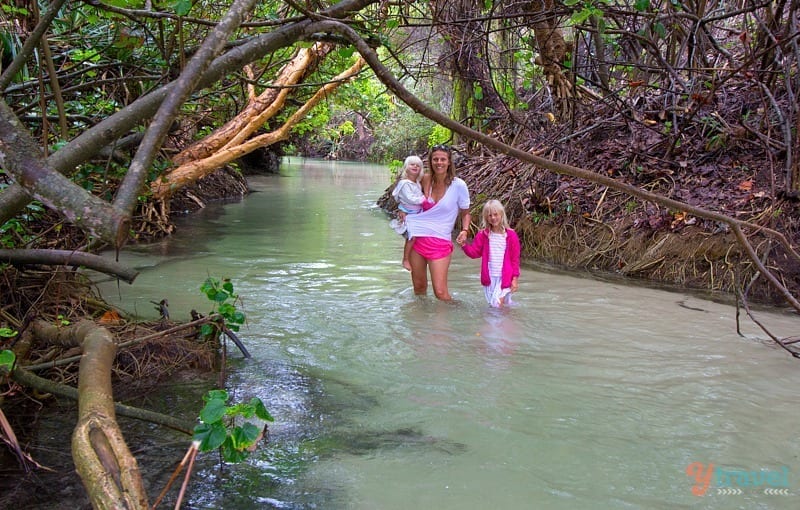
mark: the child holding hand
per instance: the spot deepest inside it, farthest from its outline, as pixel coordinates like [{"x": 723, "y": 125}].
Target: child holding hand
[
  {"x": 498, "y": 247},
  {"x": 408, "y": 194}
]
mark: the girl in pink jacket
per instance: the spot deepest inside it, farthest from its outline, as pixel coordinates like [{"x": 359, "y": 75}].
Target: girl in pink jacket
[{"x": 499, "y": 249}]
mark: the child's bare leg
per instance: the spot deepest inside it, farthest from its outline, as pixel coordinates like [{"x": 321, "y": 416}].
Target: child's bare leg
[{"x": 406, "y": 253}]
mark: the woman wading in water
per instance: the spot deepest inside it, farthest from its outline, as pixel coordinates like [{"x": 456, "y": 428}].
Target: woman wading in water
[{"x": 432, "y": 230}]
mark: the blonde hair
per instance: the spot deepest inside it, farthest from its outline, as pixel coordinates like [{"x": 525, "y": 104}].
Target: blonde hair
[
  {"x": 410, "y": 161},
  {"x": 490, "y": 207}
]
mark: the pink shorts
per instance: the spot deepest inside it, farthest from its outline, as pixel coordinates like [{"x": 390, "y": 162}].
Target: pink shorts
[{"x": 432, "y": 248}]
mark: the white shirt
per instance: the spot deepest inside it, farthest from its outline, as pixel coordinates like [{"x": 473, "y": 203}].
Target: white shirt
[
  {"x": 409, "y": 195},
  {"x": 439, "y": 220},
  {"x": 497, "y": 251}
]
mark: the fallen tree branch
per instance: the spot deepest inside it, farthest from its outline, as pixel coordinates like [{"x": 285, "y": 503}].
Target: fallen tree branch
[
  {"x": 69, "y": 258},
  {"x": 30, "y": 380}
]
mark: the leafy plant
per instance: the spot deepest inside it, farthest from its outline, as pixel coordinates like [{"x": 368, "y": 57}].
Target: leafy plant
[
  {"x": 224, "y": 299},
  {"x": 439, "y": 135},
  {"x": 218, "y": 426}
]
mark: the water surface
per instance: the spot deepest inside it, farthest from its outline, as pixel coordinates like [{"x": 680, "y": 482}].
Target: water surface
[{"x": 587, "y": 394}]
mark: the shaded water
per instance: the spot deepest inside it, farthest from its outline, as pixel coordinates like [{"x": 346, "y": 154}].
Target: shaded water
[{"x": 587, "y": 394}]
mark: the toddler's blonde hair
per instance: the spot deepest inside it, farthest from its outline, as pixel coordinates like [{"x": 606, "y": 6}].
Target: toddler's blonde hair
[
  {"x": 411, "y": 160},
  {"x": 490, "y": 207}
]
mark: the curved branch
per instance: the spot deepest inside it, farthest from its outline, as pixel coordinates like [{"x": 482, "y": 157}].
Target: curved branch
[
  {"x": 69, "y": 258},
  {"x": 103, "y": 461}
]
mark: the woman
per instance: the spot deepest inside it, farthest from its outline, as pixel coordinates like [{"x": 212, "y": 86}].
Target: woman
[{"x": 433, "y": 229}]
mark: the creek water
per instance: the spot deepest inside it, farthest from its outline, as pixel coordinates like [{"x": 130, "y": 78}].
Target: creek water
[{"x": 586, "y": 394}]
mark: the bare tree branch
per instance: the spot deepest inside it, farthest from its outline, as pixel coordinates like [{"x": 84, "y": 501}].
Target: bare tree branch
[{"x": 69, "y": 258}]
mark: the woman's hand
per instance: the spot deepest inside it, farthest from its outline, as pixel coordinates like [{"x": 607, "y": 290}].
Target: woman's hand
[{"x": 462, "y": 238}]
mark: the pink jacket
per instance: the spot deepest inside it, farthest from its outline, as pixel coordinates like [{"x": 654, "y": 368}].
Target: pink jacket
[{"x": 480, "y": 248}]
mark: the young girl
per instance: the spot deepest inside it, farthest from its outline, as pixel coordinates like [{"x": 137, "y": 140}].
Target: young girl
[
  {"x": 498, "y": 246},
  {"x": 408, "y": 194}
]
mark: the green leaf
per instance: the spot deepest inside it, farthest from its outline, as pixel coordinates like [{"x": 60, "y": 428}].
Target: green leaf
[
  {"x": 237, "y": 317},
  {"x": 7, "y": 359},
  {"x": 477, "y": 92},
  {"x": 213, "y": 411},
  {"x": 210, "y": 435},
  {"x": 641, "y": 5},
  {"x": 7, "y": 333},
  {"x": 347, "y": 51},
  {"x": 216, "y": 395},
  {"x": 226, "y": 309},
  {"x": 261, "y": 410},
  {"x": 209, "y": 284},
  {"x": 228, "y": 286},
  {"x": 207, "y": 330},
  {"x": 231, "y": 454},
  {"x": 182, "y": 7}
]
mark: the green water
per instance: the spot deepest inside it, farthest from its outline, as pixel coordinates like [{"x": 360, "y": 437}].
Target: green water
[{"x": 587, "y": 394}]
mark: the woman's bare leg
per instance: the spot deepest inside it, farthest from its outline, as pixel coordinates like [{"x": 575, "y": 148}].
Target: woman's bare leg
[
  {"x": 406, "y": 252},
  {"x": 419, "y": 273},
  {"x": 439, "y": 269}
]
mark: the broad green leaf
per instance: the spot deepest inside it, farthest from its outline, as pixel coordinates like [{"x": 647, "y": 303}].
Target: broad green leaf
[
  {"x": 261, "y": 410},
  {"x": 213, "y": 411},
  {"x": 7, "y": 359},
  {"x": 231, "y": 454},
  {"x": 210, "y": 435},
  {"x": 347, "y": 51},
  {"x": 182, "y": 7},
  {"x": 216, "y": 395}
]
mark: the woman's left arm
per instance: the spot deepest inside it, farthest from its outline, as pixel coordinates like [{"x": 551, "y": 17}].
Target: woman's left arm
[{"x": 466, "y": 219}]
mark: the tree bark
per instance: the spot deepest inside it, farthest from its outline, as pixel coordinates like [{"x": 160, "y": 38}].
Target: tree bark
[
  {"x": 69, "y": 258},
  {"x": 20, "y": 156}
]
